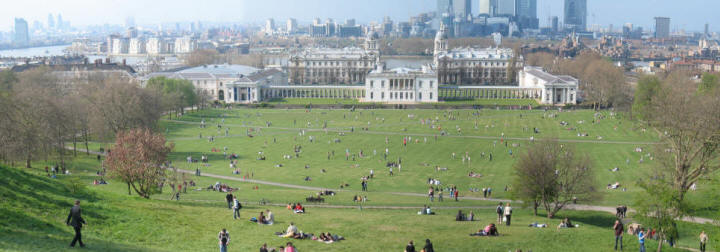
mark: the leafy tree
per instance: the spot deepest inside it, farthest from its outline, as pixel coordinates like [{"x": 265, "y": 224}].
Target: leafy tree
[
  {"x": 645, "y": 92},
  {"x": 709, "y": 82},
  {"x": 660, "y": 207},
  {"x": 137, "y": 159},
  {"x": 553, "y": 175},
  {"x": 176, "y": 94}
]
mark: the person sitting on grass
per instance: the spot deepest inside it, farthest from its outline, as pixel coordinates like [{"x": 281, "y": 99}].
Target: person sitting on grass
[
  {"x": 460, "y": 216},
  {"x": 291, "y": 231},
  {"x": 565, "y": 223},
  {"x": 299, "y": 208},
  {"x": 270, "y": 219},
  {"x": 261, "y": 218}
]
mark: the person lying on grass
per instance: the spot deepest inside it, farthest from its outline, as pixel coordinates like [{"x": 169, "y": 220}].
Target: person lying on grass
[
  {"x": 489, "y": 230},
  {"x": 565, "y": 223}
]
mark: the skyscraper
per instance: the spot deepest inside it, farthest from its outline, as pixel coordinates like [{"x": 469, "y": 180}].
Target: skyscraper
[
  {"x": 662, "y": 27},
  {"x": 487, "y": 7},
  {"x": 445, "y": 6},
  {"x": 527, "y": 13},
  {"x": 22, "y": 36},
  {"x": 506, "y": 7},
  {"x": 462, "y": 8},
  {"x": 51, "y": 22},
  {"x": 59, "y": 23},
  {"x": 576, "y": 15},
  {"x": 291, "y": 25}
]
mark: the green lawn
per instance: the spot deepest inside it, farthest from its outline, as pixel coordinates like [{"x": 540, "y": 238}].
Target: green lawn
[
  {"x": 37, "y": 205},
  {"x": 35, "y": 208},
  {"x": 493, "y": 102}
]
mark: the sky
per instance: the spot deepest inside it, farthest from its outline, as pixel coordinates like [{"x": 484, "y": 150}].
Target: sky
[{"x": 690, "y": 15}]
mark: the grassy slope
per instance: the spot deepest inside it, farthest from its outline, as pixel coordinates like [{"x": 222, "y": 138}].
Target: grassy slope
[{"x": 37, "y": 207}]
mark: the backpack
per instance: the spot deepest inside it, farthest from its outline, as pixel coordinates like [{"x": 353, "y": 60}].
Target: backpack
[
  {"x": 499, "y": 210},
  {"x": 223, "y": 239}
]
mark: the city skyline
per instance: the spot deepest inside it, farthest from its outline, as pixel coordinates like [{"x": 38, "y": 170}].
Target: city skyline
[{"x": 689, "y": 15}]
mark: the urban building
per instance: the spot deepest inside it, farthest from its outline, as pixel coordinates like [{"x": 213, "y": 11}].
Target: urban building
[
  {"x": 662, "y": 27},
  {"x": 462, "y": 8},
  {"x": 401, "y": 85},
  {"x": 473, "y": 66},
  {"x": 292, "y": 26},
  {"x": 576, "y": 15},
  {"x": 22, "y": 34},
  {"x": 527, "y": 14},
  {"x": 506, "y": 8},
  {"x": 211, "y": 79},
  {"x": 345, "y": 66},
  {"x": 487, "y": 7}
]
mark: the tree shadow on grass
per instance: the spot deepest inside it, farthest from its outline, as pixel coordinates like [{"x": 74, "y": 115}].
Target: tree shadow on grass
[{"x": 598, "y": 219}]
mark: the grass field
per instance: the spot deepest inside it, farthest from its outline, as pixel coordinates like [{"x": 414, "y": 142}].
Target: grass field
[{"x": 37, "y": 206}]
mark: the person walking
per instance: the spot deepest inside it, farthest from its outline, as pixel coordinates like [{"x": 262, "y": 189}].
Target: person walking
[
  {"x": 236, "y": 208},
  {"x": 229, "y": 198},
  {"x": 428, "y": 246},
  {"x": 410, "y": 247},
  {"x": 455, "y": 191},
  {"x": 499, "y": 211},
  {"x": 641, "y": 239},
  {"x": 703, "y": 240},
  {"x": 508, "y": 213},
  {"x": 76, "y": 220},
  {"x": 619, "y": 228},
  {"x": 223, "y": 240},
  {"x": 431, "y": 194}
]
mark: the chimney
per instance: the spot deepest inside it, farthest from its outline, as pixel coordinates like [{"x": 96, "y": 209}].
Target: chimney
[
  {"x": 124, "y": 62},
  {"x": 107, "y": 60}
]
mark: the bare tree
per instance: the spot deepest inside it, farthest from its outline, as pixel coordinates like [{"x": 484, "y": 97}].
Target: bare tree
[
  {"x": 553, "y": 175},
  {"x": 688, "y": 122}
]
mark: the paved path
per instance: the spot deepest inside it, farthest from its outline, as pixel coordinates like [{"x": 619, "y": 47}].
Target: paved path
[
  {"x": 338, "y": 130},
  {"x": 607, "y": 209}
]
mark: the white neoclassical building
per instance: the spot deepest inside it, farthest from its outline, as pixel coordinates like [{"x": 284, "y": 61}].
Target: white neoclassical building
[
  {"x": 554, "y": 89},
  {"x": 401, "y": 85}
]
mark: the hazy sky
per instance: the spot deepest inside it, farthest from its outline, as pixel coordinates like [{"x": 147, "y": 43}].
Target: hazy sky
[{"x": 690, "y": 15}]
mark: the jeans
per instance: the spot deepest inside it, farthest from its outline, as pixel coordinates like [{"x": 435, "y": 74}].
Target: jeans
[
  {"x": 78, "y": 238},
  {"x": 642, "y": 247},
  {"x": 223, "y": 248},
  {"x": 432, "y": 198},
  {"x": 229, "y": 204},
  {"x": 618, "y": 238},
  {"x": 236, "y": 213},
  {"x": 702, "y": 247},
  {"x": 507, "y": 219}
]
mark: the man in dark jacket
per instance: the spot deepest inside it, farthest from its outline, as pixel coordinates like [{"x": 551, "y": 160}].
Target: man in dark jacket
[
  {"x": 75, "y": 220},
  {"x": 229, "y": 200}
]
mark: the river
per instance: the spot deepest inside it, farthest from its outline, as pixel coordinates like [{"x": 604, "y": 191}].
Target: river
[{"x": 34, "y": 51}]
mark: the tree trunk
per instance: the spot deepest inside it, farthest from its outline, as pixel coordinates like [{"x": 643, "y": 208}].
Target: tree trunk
[
  {"x": 75, "y": 145},
  {"x": 129, "y": 192},
  {"x": 660, "y": 242},
  {"x": 87, "y": 148}
]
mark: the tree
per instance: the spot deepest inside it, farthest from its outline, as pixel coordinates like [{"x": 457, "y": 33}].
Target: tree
[
  {"x": 552, "y": 175},
  {"x": 660, "y": 207},
  {"x": 176, "y": 94},
  {"x": 645, "y": 92},
  {"x": 688, "y": 123},
  {"x": 137, "y": 159},
  {"x": 202, "y": 57},
  {"x": 709, "y": 82}
]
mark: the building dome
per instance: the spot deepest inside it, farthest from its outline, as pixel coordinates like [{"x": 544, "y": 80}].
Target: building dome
[
  {"x": 441, "y": 34},
  {"x": 372, "y": 35}
]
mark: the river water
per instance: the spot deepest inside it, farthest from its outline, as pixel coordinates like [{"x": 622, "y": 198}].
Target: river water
[{"x": 34, "y": 51}]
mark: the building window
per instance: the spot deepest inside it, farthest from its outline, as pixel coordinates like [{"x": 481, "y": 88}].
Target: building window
[
  {"x": 371, "y": 96},
  {"x": 431, "y": 85},
  {"x": 372, "y": 84},
  {"x": 419, "y": 84},
  {"x": 382, "y": 84},
  {"x": 382, "y": 95},
  {"x": 430, "y": 95},
  {"x": 571, "y": 98},
  {"x": 419, "y": 96}
]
